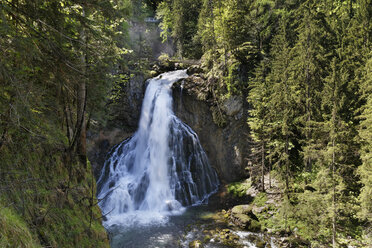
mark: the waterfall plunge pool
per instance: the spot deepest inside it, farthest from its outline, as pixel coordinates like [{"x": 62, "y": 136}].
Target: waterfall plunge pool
[
  {"x": 172, "y": 233},
  {"x": 197, "y": 223}
]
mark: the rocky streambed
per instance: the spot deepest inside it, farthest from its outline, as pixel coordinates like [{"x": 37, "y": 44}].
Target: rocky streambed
[{"x": 205, "y": 226}]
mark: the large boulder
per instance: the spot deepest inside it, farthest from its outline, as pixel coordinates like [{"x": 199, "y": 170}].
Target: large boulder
[{"x": 243, "y": 217}]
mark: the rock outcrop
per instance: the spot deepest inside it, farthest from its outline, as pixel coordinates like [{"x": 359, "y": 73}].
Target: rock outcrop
[
  {"x": 227, "y": 146},
  {"x": 124, "y": 117},
  {"x": 243, "y": 217}
]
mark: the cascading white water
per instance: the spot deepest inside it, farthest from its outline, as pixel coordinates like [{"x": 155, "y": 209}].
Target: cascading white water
[{"x": 158, "y": 171}]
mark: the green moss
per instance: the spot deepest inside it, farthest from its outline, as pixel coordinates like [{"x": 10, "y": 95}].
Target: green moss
[
  {"x": 49, "y": 199},
  {"x": 241, "y": 209},
  {"x": 239, "y": 189},
  {"x": 260, "y": 200},
  {"x": 14, "y": 232}
]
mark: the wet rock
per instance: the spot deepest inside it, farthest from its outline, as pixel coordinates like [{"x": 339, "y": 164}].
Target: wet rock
[
  {"x": 243, "y": 217},
  {"x": 260, "y": 244},
  {"x": 173, "y": 205},
  {"x": 194, "y": 69},
  {"x": 227, "y": 146},
  {"x": 99, "y": 145}
]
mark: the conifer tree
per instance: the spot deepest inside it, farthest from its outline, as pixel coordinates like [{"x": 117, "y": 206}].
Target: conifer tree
[
  {"x": 365, "y": 135},
  {"x": 281, "y": 102},
  {"x": 259, "y": 120},
  {"x": 308, "y": 65}
]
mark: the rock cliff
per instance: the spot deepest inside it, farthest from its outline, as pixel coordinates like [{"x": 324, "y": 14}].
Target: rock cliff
[{"x": 226, "y": 147}]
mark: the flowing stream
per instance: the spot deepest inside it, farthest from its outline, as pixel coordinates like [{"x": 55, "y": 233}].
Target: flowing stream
[{"x": 160, "y": 170}]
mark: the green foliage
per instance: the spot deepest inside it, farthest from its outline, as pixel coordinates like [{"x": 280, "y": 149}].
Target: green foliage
[
  {"x": 365, "y": 135},
  {"x": 164, "y": 13},
  {"x": 239, "y": 189},
  {"x": 13, "y": 230},
  {"x": 179, "y": 20},
  {"x": 50, "y": 50},
  {"x": 260, "y": 199},
  {"x": 305, "y": 66},
  {"x": 49, "y": 194}
]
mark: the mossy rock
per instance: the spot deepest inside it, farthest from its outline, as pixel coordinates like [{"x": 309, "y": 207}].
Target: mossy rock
[
  {"x": 254, "y": 226},
  {"x": 260, "y": 244},
  {"x": 194, "y": 69},
  {"x": 196, "y": 244},
  {"x": 243, "y": 217},
  {"x": 242, "y": 209},
  {"x": 207, "y": 238},
  {"x": 153, "y": 73},
  {"x": 298, "y": 242}
]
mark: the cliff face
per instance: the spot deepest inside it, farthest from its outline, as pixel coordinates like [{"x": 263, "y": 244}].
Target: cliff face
[
  {"x": 226, "y": 147},
  {"x": 124, "y": 117}
]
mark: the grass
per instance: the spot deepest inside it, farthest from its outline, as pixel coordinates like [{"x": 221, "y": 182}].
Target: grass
[{"x": 14, "y": 232}]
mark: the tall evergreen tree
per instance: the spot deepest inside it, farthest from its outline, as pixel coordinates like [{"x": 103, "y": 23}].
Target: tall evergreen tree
[
  {"x": 282, "y": 102},
  {"x": 308, "y": 65},
  {"x": 365, "y": 135},
  {"x": 259, "y": 120}
]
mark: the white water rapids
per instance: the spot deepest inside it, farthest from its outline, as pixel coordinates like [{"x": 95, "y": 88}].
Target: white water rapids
[{"x": 160, "y": 170}]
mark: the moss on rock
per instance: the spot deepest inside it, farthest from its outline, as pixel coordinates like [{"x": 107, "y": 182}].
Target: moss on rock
[{"x": 243, "y": 217}]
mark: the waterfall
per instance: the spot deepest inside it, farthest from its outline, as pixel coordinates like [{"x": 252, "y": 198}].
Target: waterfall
[{"x": 160, "y": 170}]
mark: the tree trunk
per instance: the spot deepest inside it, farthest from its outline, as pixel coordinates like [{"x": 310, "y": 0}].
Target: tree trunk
[
  {"x": 81, "y": 120},
  {"x": 308, "y": 109},
  {"x": 333, "y": 197},
  {"x": 270, "y": 167},
  {"x": 81, "y": 104},
  {"x": 263, "y": 166},
  {"x": 211, "y": 7},
  {"x": 287, "y": 166}
]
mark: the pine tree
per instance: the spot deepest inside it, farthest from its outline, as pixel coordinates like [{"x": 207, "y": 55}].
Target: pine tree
[
  {"x": 281, "y": 102},
  {"x": 206, "y": 32},
  {"x": 259, "y": 120},
  {"x": 180, "y": 19},
  {"x": 365, "y": 135},
  {"x": 309, "y": 64}
]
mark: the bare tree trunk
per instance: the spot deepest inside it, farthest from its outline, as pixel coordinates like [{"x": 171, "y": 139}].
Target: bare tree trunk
[
  {"x": 263, "y": 166},
  {"x": 287, "y": 165},
  {"x": 333, "y": 197},
  {"x": 81, "y": 121},
  {"x": 308, "y": 106},
  {"x": 81, "y": 104},
  {"x": 211, "y": 8},
  {"x": 270, "y": 167}
]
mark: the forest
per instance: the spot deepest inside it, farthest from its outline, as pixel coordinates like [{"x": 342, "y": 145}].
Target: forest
[{"x": 304, "y": 68}]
